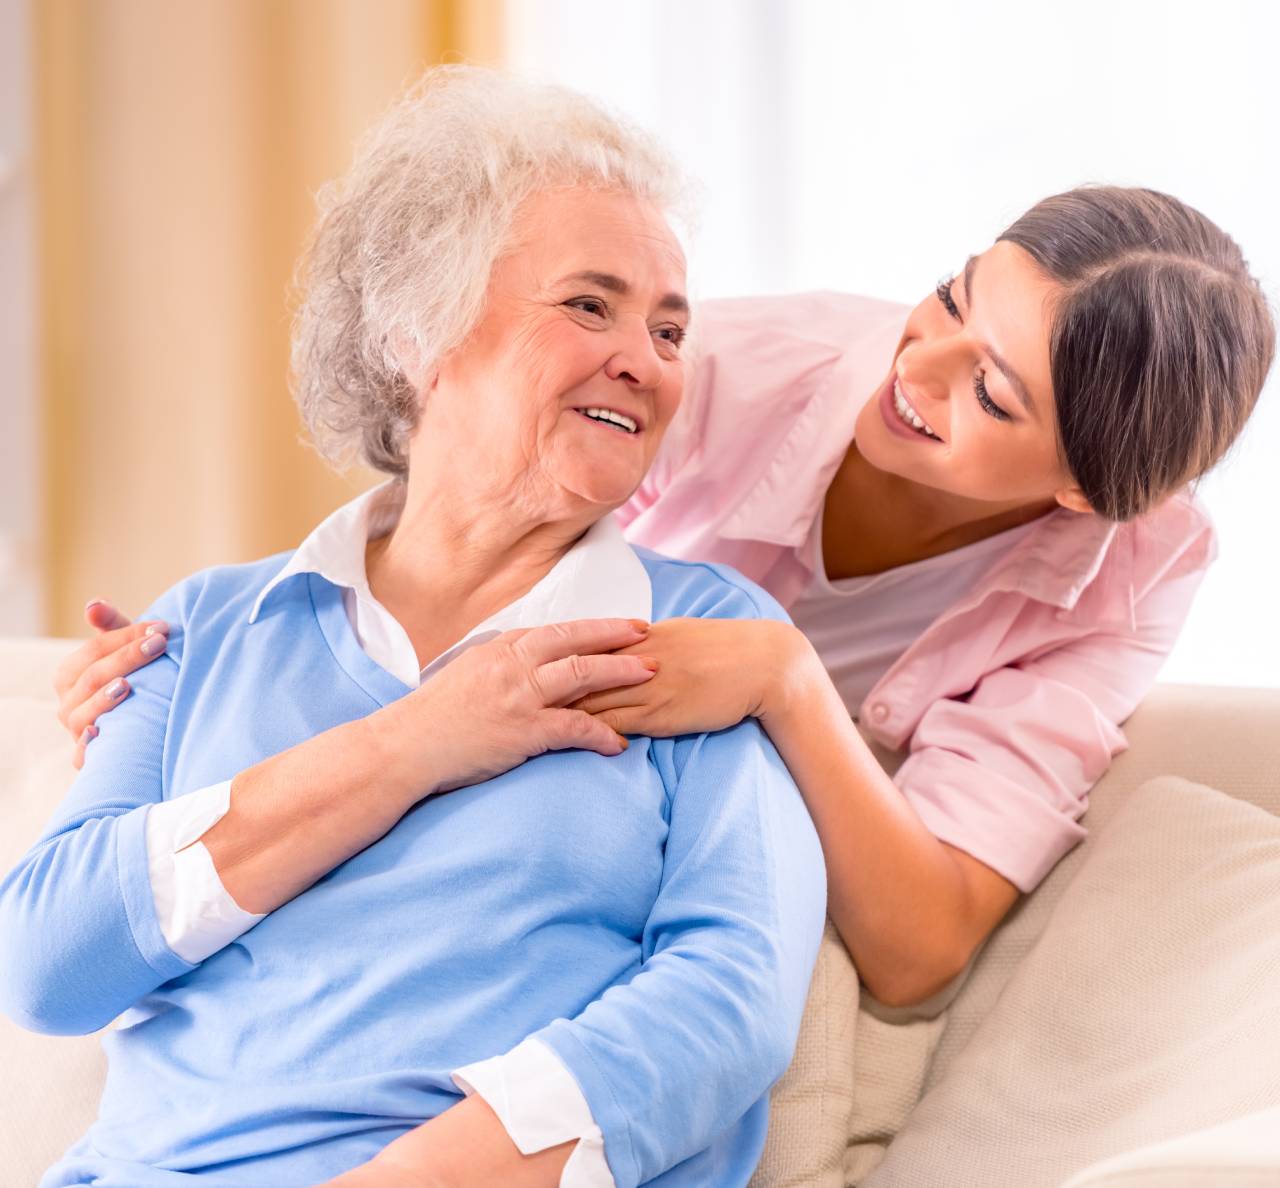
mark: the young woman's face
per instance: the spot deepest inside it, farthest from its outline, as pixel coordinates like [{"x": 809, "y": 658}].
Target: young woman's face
[{"x": 967, "y": 407}]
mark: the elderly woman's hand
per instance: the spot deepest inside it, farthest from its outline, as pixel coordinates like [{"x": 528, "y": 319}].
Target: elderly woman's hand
[
  {"x": 502, "y": 702},
  {"x": 91, "y": 681},
  {"x": 711, "y": 674}
]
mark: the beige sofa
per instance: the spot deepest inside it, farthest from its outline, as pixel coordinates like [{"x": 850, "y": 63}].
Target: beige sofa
[{"x": 1122, "y": 1027}]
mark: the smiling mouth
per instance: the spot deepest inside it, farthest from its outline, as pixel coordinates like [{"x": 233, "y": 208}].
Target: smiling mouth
[
  {"x": 908, "y": 415},
  {"x": 607, "y": 416}
]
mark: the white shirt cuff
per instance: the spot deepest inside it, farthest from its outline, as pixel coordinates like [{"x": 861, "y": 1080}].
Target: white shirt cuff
[
  {"x": 540, "y": 1105},
  {"x": 196, "y": 912}
]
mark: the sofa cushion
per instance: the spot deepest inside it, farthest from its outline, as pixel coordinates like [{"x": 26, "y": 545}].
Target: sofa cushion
[
  {"x": 50, "y": 1088},
  {"x": 1217, "y": 736},
  {"x": 1142, "y": 1013},
  {"x": 1242, "y": 1153}
]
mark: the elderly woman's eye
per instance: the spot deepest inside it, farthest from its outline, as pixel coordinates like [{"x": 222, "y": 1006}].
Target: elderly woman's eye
[
  {"x": 672, "y": 334},
  {"x": 590, "y": 305}
]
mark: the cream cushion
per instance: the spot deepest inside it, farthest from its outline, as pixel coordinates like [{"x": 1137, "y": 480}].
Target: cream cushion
[
  {"x": 50, "y": 1086},
  {"x": 1242, "y": 1153},
  {"x": 1147, "y": 1009},
  {"x": 810, "y": 1106}
]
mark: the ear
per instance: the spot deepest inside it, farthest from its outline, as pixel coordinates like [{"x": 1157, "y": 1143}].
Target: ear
[
  {"x": 1072, "y": 498},
  {"x": 409, "y": 360}
]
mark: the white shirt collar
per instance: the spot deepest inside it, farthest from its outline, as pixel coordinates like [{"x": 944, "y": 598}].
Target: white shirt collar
[{"x": 599, "y": 577}]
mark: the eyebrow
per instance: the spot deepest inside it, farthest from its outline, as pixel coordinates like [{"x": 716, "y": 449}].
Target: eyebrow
[
  {"x": 1015, "y": 380},
  {"x": 615, "y": 284}
]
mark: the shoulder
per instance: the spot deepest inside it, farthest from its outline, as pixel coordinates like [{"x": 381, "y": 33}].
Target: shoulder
[
  {"x": 822, "y": 318},
  {"x": 704, "y": 590},
  {"x": 760, "y": 360},
  {"x": 1173, "y": 540},
  {"x": 214, "y": 598}
]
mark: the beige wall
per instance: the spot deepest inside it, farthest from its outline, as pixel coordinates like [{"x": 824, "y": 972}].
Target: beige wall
[{"x": 180, "y": 143}]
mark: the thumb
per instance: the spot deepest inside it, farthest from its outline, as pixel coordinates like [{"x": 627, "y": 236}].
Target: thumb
[
  {"x": 577, "y": 728},
  {"x": 102, "y": 616}
]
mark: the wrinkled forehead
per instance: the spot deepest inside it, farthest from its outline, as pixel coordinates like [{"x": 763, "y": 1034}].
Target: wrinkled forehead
[{"x": 564, "y": 231}]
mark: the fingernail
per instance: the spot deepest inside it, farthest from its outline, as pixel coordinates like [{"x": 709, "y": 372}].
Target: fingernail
[
  {"x": 87, "y": 735},
  {"x": 624, "y": 743},
  {"x": 650, "y": 663},
  {"x": 639, "y": 624},
  {"x": 88, "y": 606},
  {"x": 153, "y": 644},
  {"x": 115, "y": 690},
  {"x": 158, "y": 627}
]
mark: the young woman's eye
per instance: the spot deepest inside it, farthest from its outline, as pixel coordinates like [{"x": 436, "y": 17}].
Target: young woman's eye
[
  {"x": 589, "y": 305},
  {"x": 984, "y": 398},
  {"x": 943, "y": 292}
]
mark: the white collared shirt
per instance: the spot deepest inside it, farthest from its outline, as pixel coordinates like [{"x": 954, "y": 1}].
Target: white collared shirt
[{"x": 533, "y": 1094}]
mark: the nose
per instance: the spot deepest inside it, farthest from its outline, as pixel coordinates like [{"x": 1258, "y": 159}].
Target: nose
[
  {"x": 931, "y": 366},
  {"x": 636, "y": 360}
]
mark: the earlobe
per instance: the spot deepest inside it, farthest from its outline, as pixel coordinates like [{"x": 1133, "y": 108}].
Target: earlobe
[{"x": 1072, "y": 498}]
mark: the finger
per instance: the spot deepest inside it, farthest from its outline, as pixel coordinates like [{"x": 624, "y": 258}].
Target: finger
[
  {"x": 628, "y": 719},
  {"x": 74, "y": 667},
  {"x": 86, "y": 737},
  {"x": 556, "y": 641},
  {"x": 616, "y": 698},
  {"x": 102, "y": 616},
  {"x": 118, "y": 653},
  {"x": 574, "y": 729},
  {"x": 563, "y": 681},
  {"x": 88, "y": 711}
]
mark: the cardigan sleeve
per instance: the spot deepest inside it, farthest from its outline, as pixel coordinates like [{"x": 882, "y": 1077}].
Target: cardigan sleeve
[
  {"x": 79, "y": 937},
  {"x": 679, "y": 1053}
]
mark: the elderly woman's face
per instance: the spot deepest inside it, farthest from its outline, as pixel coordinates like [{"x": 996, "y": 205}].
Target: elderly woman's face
[{"x": 564, "y": 390}]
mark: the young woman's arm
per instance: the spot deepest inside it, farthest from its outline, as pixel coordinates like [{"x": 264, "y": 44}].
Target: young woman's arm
[
  {"x": 1004, "y": 771},
  {"x": 911, "y": 909}
]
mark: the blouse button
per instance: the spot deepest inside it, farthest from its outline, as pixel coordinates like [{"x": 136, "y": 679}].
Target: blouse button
[{"x": 879, "y": 712}]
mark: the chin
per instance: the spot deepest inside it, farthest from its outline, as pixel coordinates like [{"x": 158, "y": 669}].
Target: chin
[{"x": 601, "y": 490}]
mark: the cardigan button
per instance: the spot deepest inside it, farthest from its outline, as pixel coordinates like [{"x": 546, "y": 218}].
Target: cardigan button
[{"x": 880, "y": 712}]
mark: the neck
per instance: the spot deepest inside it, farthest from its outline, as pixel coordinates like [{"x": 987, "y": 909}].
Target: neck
[
  {"x": 873, "y": 520},
  {"x": 457, "y": 555}
]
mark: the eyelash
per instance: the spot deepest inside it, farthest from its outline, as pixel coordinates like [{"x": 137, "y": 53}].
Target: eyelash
[
  {"x": 677, "y": 332},
  {"x": 989, "y": 406}
]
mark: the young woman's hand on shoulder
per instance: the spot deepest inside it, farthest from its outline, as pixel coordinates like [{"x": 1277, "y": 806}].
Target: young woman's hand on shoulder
[{"x": 712, "y": 673}]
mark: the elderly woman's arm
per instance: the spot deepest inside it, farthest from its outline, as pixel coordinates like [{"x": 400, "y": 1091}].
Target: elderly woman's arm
[
  {"x": 674, "y": 1057},
  {"x": 80, "y": 939}
]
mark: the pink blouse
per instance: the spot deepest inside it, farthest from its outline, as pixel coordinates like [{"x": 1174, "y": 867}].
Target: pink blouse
[{"x": 1011, "y": 701}]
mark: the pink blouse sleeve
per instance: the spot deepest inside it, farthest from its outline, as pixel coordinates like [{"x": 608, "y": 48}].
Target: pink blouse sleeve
[{"x": 1005, "y": 772}]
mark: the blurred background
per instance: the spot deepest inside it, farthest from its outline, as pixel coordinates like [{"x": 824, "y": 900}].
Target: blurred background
[{"x": 158, "y": 160}]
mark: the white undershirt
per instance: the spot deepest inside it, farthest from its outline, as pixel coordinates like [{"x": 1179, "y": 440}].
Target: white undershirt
[{"x": 861, "y": 625}]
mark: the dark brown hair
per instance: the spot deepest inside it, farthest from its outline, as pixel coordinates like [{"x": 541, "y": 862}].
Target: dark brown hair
[{"x": 1160, "y": 342}]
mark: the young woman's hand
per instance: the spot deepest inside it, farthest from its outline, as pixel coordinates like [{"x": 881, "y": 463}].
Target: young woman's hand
[
  {"x": 91, "y": 681},
  {"x": 711, "y": 674},
  {"x": 505, "y": 701}
]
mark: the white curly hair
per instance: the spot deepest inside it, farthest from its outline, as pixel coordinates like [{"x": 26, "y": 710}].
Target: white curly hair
[{"x": 399, "y": 262}]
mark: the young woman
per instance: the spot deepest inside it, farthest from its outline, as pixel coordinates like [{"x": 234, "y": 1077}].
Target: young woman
[{"x": 976, "y": 512}]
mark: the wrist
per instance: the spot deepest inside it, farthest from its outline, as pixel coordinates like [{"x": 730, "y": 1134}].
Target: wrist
[
  {"x": 404, "y": 763},
  {"x": 795, "y": 675}
]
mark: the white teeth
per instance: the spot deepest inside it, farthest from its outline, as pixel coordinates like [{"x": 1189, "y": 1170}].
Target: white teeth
[
  {"x": 909, "y": 414},
  {"x": 614, "y": 418}
]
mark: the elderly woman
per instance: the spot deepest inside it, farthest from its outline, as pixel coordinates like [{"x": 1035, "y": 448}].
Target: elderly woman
[{"x": 592, "y": 964}]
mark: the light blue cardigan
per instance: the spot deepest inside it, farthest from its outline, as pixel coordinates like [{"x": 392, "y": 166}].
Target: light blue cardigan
[{"x": 652, "y": 917}]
